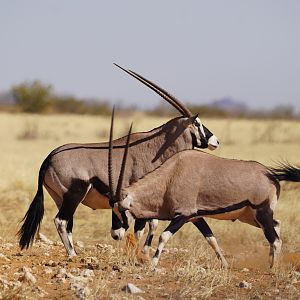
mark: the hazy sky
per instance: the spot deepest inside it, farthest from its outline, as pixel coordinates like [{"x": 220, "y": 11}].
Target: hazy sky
[{"x": 198, "y": 50}]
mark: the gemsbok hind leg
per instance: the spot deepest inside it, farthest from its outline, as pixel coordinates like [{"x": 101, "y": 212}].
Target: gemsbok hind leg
[
  {"x": 64, "y": 219},
  {"x": 172, "y": 228},
  {"x": 204, "y": 228},
  {"x": 264, "y": 216}
]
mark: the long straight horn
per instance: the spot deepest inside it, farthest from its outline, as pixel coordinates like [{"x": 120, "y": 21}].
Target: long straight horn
[
  {"x": 110, "y": 149},
  {"x": 160, "y": 91},
  {"x": 122, "y": 171}
]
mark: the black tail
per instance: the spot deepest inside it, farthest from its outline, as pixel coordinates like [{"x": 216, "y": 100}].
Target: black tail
[
  {"x": 35, "y": 213},
  {"x": 285, "y": 172}
]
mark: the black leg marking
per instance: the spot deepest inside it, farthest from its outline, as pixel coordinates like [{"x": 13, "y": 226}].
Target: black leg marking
[
  {"x": 139, "y": 225},
  {"x": 173, "y": 227},
  {"x": 70, "y": 225},
  {"x": 116, "y": 223},
  {"x": 204, "y": 228},
  {"x": 149, "y": 241},
  {"x": 64, "y": 219},
  {"x": 264, "y": 217},
  {"x": 152, "y": 227}
]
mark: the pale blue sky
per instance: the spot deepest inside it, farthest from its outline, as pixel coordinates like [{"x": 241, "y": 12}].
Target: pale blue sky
[{"x": 198, "y": 50}]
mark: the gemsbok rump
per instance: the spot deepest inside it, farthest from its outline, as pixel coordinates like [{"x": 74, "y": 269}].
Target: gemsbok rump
[
  {"x": 77, "y": 173},
  {"x": 193, "y": 184}
]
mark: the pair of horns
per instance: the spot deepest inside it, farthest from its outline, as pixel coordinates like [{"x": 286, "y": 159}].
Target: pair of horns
[
  {"x": 116, "y": 196},
  {"x": 160, "y": 91}
]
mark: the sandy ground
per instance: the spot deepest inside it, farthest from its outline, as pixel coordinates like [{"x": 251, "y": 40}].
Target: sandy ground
[{"x": 100, "y": 271}]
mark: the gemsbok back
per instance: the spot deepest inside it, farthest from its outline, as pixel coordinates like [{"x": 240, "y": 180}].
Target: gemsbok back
[
  {"x": 194, "y": 184},
  {"x": 77, "y": 173}
]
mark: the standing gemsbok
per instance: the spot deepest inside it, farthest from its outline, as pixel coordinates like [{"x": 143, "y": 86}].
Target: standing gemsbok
[
  {"x": 194, "y": 184},
  {"x": 77, "y": 173}
]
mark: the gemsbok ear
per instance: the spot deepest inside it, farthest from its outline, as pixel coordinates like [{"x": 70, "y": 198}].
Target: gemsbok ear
[
  {"x": 191, "y": 120},
  {"x": 195, "y": 117}
]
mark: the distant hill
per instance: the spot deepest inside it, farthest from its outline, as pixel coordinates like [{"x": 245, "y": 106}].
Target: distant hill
[{"x": 230, "y": 105}]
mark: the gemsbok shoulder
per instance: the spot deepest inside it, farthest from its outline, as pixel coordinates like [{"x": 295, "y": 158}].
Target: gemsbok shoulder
[
  {"x": 77, "y": 173},
  {"x": 194, "y": 184}
]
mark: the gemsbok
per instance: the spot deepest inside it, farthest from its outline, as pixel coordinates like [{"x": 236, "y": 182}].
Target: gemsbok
[
  {"x": 193, "y": 184},
  {"x": 77, "y": 173}
]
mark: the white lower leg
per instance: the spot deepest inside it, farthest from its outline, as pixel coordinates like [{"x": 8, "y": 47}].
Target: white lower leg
[
  {"x": 152, "y": 228},
  {"x": 70, "y": 236},
  {"x": 214, "y": 244},
  {"x": 61, "y": 226},
  {"x": 277, "y": 227},
  {"x": 275, "y": 250},
  {"x": 138, "y": 234},
  {"x": 163, "y": 239}
]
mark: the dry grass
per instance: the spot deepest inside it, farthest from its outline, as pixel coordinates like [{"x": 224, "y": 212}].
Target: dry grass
[{"x": 192, "y": 270}]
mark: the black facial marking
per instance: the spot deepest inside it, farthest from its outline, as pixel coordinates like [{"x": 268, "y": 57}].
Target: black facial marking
[
  {"x": 116, "y": 223},
  {"x": 203, "y": 139},
  {"x": 207, "y": 132}
]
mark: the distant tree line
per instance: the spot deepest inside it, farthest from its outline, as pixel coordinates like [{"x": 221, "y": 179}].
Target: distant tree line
[
  {"x": 208, "y": 111},
  {"x": 37, "y": 97}
]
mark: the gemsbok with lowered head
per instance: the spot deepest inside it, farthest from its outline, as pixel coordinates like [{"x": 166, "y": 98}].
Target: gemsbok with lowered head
[
  {"x": 193, "y": 184},
  {"x": 77, "y": 173}
]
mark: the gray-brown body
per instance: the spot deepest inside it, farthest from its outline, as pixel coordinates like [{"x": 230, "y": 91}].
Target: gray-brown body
[
  {"x": 196, "y": 183},
  {"x": 86, "y": 164},
  {"x": 193, "y": 184}
]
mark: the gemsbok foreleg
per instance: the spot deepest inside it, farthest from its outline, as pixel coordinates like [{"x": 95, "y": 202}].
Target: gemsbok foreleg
[
  {"x": 204, "y": 228},
  {"x": 270, "y": 227},
  {"x": 172, "y": 228},
  {"x": 152, "y": 227},
  {"x": 64, "y": 219},
  {"x": 139, "y": 227}
]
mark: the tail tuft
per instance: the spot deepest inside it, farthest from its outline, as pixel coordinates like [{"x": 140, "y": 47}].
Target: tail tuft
[
  {"x": 285, "y": 172},
  {"x": 32, "y": 220}
]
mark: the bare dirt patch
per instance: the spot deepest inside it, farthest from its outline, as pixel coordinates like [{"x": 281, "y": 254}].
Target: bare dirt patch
[{"x": 101, "y": 271}]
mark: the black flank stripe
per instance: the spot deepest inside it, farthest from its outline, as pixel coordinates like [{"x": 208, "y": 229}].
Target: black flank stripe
[{"x": 202, "y": 212}]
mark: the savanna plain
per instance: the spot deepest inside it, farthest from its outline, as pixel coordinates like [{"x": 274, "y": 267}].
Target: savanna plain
[{"x": 188, "y": 268}]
